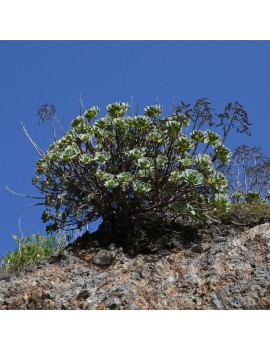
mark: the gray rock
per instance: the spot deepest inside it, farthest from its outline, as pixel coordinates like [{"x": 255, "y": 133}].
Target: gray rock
[
  {"x": 266, "y": 234},
  {"x": 112, "y": 247},
  {"x": 103, "y": 258},
  {"x": 216, "y": 302},
  {"x": 232, "y": 272},
  {"x": 99, "y": 279},
  {"x": 90, "y": 304},
  {"x": 113, "y": 303},
  {"x": 4, "y": 274},
  {"x": 51, "y": 294},
  {"x": 172, "y": 278},
  {"x": 84, "y": 294}
]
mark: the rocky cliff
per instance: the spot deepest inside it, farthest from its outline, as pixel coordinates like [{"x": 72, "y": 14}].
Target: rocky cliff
[{"x": 222, "y": 268}]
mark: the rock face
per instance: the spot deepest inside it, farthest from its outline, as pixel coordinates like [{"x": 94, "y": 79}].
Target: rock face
[
  {"x": 103, "y": 258},
  {"x": 226, "y": 270}
]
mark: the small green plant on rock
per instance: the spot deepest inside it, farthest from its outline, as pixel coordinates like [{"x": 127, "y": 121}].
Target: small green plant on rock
[
  {"x": 31, "y": 250},
  {"x": 247, "y": 213}
]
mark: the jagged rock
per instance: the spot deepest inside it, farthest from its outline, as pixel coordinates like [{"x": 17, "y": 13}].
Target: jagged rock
[
  {"x": 103, "y": 258},
  {"x": 224, "y": 268},
  {"x": 4, "y": 275}
]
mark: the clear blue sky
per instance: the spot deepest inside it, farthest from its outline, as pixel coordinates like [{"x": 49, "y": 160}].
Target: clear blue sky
[{"x": 35, "y": 72}]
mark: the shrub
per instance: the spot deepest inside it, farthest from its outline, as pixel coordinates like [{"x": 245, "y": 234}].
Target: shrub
[
  {"x": 247, "y": 213},
  {"x": 248, "y": 174},
  {"x": 31, "y": 250},
  {"x": 127, "y": 169}
]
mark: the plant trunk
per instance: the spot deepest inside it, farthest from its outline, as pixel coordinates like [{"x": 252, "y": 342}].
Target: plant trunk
[{"x": 119, "y": 226}]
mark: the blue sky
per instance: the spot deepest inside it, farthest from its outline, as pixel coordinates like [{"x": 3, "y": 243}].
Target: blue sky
[{"x": 58, "y": 72}]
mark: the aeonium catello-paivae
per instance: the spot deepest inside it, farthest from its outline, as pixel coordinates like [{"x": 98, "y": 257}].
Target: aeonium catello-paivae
[{"x": 120, "y": 168}]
